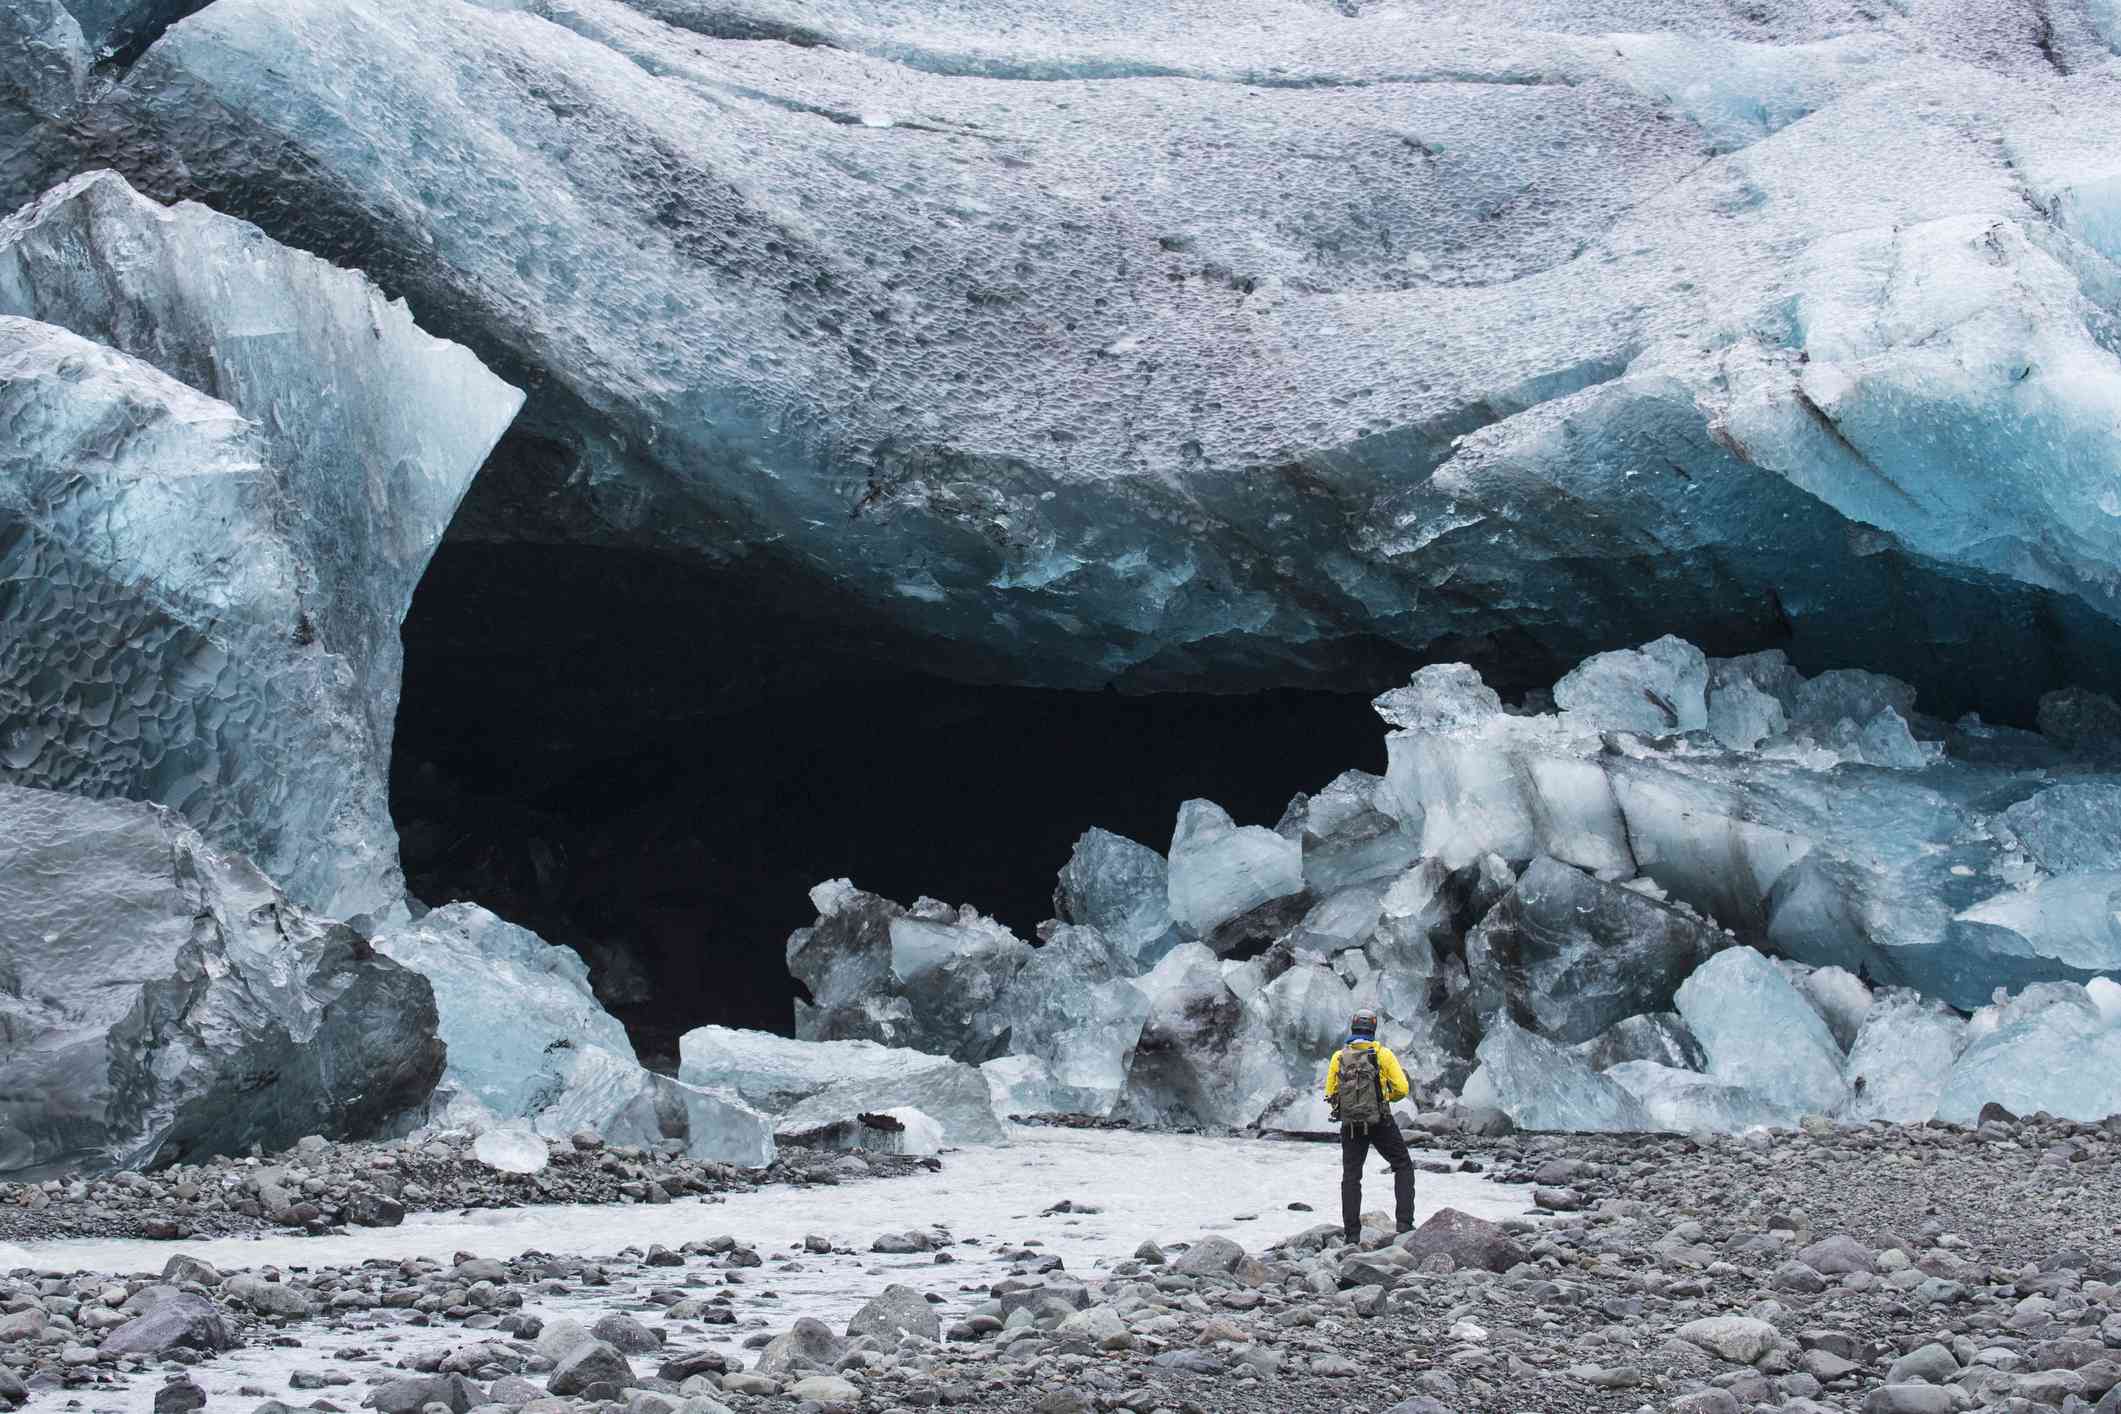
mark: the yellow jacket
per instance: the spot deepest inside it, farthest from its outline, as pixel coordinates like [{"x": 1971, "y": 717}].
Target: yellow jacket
[{"x": 1389, "y": 1074}]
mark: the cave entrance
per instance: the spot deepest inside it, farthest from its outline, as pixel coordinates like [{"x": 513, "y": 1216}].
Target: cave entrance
[{"x": 652, "y": 762}]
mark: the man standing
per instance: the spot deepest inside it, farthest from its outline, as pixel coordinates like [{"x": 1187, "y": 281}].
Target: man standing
[{"x": 1361, "y": 1085}]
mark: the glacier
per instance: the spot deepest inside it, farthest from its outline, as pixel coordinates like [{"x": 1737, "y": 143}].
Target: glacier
[
  {"x": 152, "y": 980},
  {"x": 1031, "y": 395},
  {"x": 212, "y": 536},
  {"x": 1604, "y": 908}
]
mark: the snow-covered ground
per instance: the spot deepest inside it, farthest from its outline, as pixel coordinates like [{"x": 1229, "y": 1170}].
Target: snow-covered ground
[{"x": 1171, "y": 1188}]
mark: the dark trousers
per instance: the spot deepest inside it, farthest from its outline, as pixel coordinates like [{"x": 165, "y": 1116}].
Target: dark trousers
[{"x": 1355, "y": 1143}]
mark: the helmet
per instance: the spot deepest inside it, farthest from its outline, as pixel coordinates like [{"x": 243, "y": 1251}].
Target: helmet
[{"x": 1363, "y": 1023}]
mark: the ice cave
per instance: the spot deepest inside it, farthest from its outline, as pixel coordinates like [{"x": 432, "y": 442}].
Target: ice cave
[{"x": 618, "y": 602}]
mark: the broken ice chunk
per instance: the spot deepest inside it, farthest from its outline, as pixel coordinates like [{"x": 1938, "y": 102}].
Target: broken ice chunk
[
  {"x": 1687, "y": 1102},
  {"x": 1543, "y": 1086},
  {"x": 1655, "y": 690},
  {"x": 1741, "y": 715},
  {"x": 1661, "y": 1037},
  {"x": 1206, "y": 1055},
  {"x": 1884, "y": 740},
  {"x": 1021, "y": 1085},
  {"x": 1342, "y": 921},
  {"x": 1348, "y": 839},
  {"x": 2071, "y": 827},
  {"x": 1073, "y": 1007},
  {"x": 1838, "y": 995},
  {"x": 2074, "y": 921},
  {"x": 2051, "y": 1048},
  {"x": 1120, "y": 888},
  {"x": 1570, "y": 955},
  {"x": 1441, "y": 697},
  {"x": 1852, "y": 695},
  {"x": 1220, "y": 871},
  {"x": 812, "y": 1083},
  {"x": 511, "y": 1150},
  {"x": 611, "y": 1094},
  {"x": 1758, "y": 1031},
  {"x": 925, "y": 977},
  {"x": 484, "y": 968},
  {"x": 1902, "y": 1058}
]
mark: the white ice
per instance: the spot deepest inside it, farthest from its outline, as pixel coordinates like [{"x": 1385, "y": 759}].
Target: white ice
[
  {"x": 1759, "y": 1031},
  {"x": 1220, "y": 870}
]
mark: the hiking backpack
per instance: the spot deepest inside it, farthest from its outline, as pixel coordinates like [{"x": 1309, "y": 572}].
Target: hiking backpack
[{"x": 1361, "y": 1093}]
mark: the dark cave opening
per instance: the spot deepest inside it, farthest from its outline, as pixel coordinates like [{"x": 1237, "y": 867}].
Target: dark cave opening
[{"x": 634, "y": 755}]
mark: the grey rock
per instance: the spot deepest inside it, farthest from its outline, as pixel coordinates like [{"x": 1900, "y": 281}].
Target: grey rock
[
  {"x": 168, "y": 978},
  {"x": 895, "y": 1311},
  {"x": 1929, "y": 1364},
  {"x": 588, "y": 1365},
  {"x": 624, "y": 1333},
  {"x": 181, "y": 1320},
  {"x": 1909, "y": 1399},
  {"x": 808, "y": 1345},
  {"x": 1468, "y": 1241},
  {"x": 414, "y": 1393}
]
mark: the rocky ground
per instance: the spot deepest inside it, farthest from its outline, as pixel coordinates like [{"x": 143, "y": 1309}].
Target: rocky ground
[
  {"x": 321, "y": 1187},
  {"x": 1897, "y": 1270}
]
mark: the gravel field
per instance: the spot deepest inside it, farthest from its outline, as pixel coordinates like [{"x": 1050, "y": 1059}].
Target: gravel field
[{"x": 1899, "y": 1270}]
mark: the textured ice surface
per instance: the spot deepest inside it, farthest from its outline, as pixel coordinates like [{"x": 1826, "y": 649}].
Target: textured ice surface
[
  {"x": 1759, "y": 1032},
  {"x": 1221, "y": 870},
  {"x": 1657, "y": 689},
  {"x": 511, "y": 1150},
  {"x": 1021, "y": 1085},
  {"x": 926, "y": 978},
  {"x": 1265, "y": 396},
  {"x": 609, "y": 1092},
  {"x": 2051, "y": 1048},
  {"x": 1840, "y": 998},
  {"x": 1689, "y": 1102},
  {"x": 1206, "y": 1055},
  {"x": 2070, "y": 827},
  {"x": 1902, "y": 1058},
  {"x": 1348, "y": 839},
  {"x": 1074, "y": 1008},
  {"x": 1544, "y": 1086},
  {"x": 1120, "y": 888},
  {"x": 1902, "y": 873},
  {"x": 151, "y": 980},
  {"x": 1569, "y": 956},
  {"x": 809, "y": 1084},
  {"x": 1660, "y": 1036},
  {"x": 512, "y": 1005},
  {"x": 216, "y": 629}
]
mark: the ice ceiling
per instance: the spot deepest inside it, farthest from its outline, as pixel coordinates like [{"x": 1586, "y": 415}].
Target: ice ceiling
[{"x": 1213, "y": 346}]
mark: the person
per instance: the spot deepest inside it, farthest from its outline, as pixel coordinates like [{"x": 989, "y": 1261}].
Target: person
[{"x": 1362, "y": 1083}]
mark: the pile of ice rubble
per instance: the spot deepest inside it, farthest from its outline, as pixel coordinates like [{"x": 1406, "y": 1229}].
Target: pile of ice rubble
[{"x": 1683, "y": 893}]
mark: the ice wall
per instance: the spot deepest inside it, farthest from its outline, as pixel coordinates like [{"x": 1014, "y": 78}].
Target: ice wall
[{"x": 217, "y": 629}]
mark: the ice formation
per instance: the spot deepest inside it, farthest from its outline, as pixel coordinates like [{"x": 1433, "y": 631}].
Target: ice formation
[
  {"x": 809, "y": 1085},
  {"x": 151, "y": 980},
  {"x": 1221, "y": 871},
  {"x": 225, "y": 480},
  {"x": 531, "y": 1047},
  {"x": 924, "y": 978},
  {"x": 1707, "y": 927},
  {"x": 1760, "y": 1033},
  {"x": 1022, "y": 385}
]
